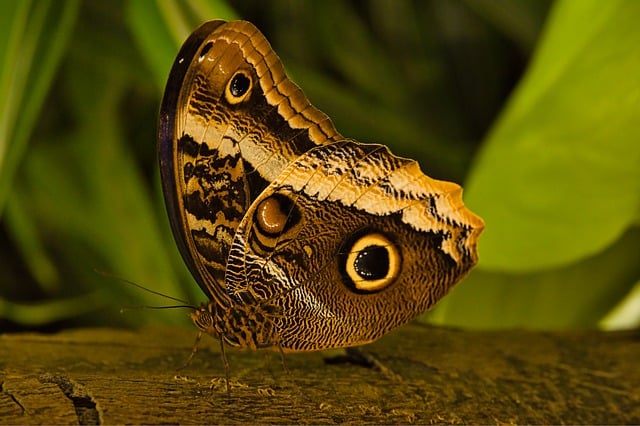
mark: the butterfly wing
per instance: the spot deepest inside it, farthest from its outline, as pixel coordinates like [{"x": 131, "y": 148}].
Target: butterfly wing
[
  {"x": 230, "y": 122},
  {"x": 349, "y": 242}
]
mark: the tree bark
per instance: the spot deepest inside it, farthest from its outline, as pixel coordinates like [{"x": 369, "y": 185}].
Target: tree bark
[{"x": 417, "y": 374}]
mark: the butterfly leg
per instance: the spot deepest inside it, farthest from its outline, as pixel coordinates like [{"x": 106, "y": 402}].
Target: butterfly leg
[
  {"x": 194, "y": 349},
  {"x": 282, "y": 360},
  {"x": 225, "y": 362},
  {"x": 357, "y": 355}
]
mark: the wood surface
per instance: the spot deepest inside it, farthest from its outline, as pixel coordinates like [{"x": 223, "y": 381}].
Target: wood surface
[{"x": 417, "y": 374}]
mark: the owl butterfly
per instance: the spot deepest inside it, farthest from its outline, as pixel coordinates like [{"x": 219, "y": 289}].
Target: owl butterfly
[{"x": 303, "y": 240}]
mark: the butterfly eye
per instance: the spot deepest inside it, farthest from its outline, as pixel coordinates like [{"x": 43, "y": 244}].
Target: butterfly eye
[
  {"x": 238, "y": 88},
  {"x": 202, "y": 319},
  {"x": 371, "y": 264}
]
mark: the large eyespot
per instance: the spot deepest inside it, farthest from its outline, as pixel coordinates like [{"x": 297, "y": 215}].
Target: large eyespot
[
  {"x": 371, "y": 263},
  {"x": 238, "y": 88}
]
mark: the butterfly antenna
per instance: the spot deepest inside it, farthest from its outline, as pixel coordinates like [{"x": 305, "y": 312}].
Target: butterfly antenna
[
  {"x": 138, "y": 307},
  {"x": 184, "y": 303}
]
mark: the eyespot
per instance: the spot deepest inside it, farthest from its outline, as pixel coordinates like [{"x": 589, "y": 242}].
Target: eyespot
[
  {"x": 275, "y": 214},
  {"x": 205, "y": 50},
  {"x": 371, "y": 263},
  {"x": 238, "y": 88}
]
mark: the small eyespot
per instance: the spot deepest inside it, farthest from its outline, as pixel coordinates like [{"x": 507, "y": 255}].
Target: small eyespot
[
  {"x": 205, "y": 50},
  {"x": 371, "y": 264},
  {"x": 238, "y": 88}
]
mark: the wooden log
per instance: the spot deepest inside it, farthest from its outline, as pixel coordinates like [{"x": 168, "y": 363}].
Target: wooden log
[{"x": 417, "y": 374}]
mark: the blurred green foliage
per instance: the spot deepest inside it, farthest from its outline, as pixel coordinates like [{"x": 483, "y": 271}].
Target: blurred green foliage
[{"x": 532, "y": 105}]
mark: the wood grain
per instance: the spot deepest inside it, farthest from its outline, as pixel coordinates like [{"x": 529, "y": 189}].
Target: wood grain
[{"x": 416, "y": 374}]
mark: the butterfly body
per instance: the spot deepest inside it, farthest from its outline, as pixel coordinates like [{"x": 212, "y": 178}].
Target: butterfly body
[{"x": 302, "y": 239}]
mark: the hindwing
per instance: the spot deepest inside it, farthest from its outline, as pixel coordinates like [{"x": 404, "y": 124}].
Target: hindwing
[{"x": 350, "y": 241}]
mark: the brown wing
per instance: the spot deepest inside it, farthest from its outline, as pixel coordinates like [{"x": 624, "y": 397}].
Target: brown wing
[
  {"x": 350, "y": 242},
  {"x": 230, "y": 122}
]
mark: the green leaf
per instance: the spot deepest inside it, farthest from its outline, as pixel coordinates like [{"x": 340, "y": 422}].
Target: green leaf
[
  {"x": 558, "y": 179},
  {"x": 573, "y": 296},
  {"x": 160, "y": 27},
  {"x": 33, "y": 37},
  {"x": 43, "y": 313},
  {"x": 85, "y": 187},
  {"x": 626, "y": 314}
]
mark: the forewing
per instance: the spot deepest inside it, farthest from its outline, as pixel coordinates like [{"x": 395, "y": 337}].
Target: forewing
[{"x": 217, "y": 151}]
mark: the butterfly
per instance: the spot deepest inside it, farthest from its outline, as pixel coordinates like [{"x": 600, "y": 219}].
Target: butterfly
[{"x": 301, "y": 238}]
